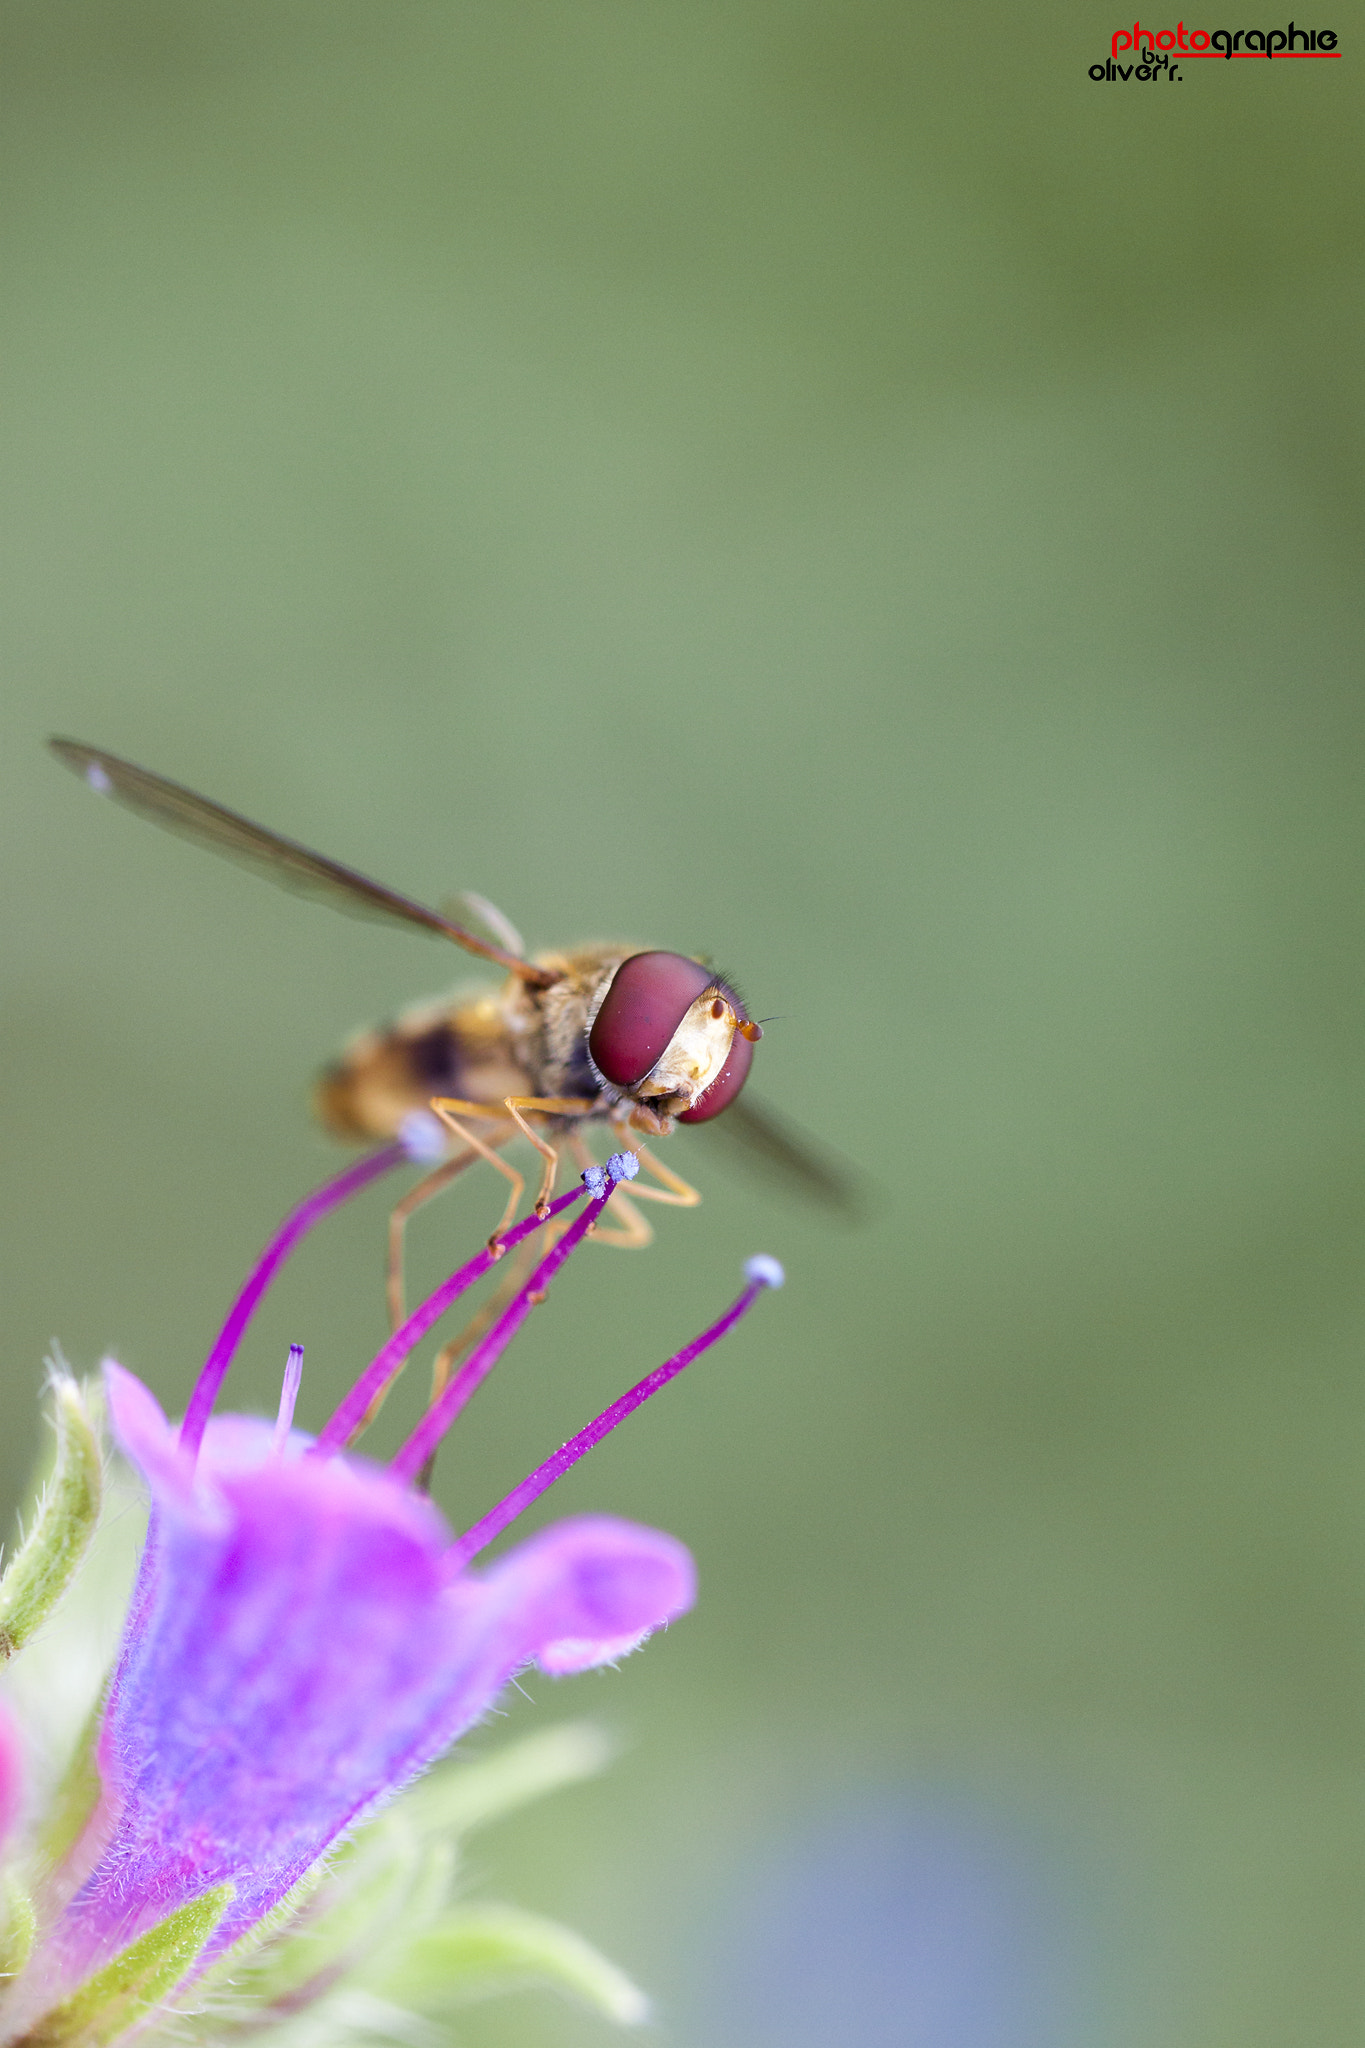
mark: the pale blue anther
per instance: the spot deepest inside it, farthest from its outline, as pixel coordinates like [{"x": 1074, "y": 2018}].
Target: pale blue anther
[
  {"x": 623, "y": 1166},
  {"x": 423, "y": 1136},
  {"x": 762, "y": 1271},
  {"x": 595, "y": 1181}
]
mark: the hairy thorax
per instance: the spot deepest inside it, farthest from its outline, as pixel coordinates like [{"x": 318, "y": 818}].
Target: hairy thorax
[{"x": 480, "y": 1045}]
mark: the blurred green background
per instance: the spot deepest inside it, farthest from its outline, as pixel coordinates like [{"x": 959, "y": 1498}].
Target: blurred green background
[{"x": 829, "y": 485}]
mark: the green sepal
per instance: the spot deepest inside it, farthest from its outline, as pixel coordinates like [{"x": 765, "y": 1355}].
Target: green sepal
[
  {"x": 477, "y": 1951},
  {"x": 468, "y": 1795},
  {"x": 385, "y": 1880},
  {"x": 41, "y": 1568},
  {"x": 20, "y": 1926},
  {"x": 125, "y": 1991},
  {"x": 74, "y": 1799},
  {"x": 359, "y": 1909}
]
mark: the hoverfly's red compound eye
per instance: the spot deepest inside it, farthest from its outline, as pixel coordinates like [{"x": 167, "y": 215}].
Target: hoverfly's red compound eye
[
  {"x": 726, "y": 1085},
  {"x": 649, "y": 996}
]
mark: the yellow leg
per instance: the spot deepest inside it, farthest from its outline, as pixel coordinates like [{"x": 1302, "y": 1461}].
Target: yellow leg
[
  {"x": 477, "y": 1326},
  {"x": 543, "y": 1105},
  {"x": 479, "y": 1321},
  {"x": 416, "y": 1197},
  {"x": 484, "y": 1318},
  {"x": 445, "y": 1106},
  {"x": 676, "y": 1192}
]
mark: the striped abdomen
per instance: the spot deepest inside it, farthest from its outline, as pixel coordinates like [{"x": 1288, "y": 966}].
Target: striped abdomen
[{"x": 462, "y": 1049}]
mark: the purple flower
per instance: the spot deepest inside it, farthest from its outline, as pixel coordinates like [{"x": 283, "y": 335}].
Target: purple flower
[
  {"x": 302, "y": 1649},
  {"x": 305, "y": 1636}
]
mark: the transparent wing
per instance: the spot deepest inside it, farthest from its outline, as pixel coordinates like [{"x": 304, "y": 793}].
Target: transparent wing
[
  {"x": 281, "y": 860},
  {"x": 468, "y": 908},
  {"x": 790, "y": 1156}
]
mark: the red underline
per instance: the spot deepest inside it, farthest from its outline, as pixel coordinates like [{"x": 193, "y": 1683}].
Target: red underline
[{"x": 1275, "y": 57}]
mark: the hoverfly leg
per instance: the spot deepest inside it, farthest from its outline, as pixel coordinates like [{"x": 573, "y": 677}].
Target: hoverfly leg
[
  {"x": 634, "y": 1233},
  {"x": 544, "y": 1105},
  {"x": 443, "y": 1106},
  {"x": 631, "y": 1232},
  {"x": 431, "y": 1184},
  {"x": 478, "y": 1325},
  {"x": 675, "y": 1192}
]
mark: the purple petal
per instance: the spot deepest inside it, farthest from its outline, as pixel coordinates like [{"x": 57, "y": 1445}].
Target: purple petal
[
  {"x": 11, "y": 1773},
  {"x": 300, "y": 1646}
]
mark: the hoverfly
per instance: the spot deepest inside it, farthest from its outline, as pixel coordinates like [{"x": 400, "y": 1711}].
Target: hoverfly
[{"x": 632, "y": 1038}]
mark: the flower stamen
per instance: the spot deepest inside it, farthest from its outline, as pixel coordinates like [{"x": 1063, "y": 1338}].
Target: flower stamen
[
  {"x": 760, "y": 1272},
  {"x": 289, "y": 1394},
  {"x": 350, "y": 1417},
  {"x": 353, "y": 1412},
  {"x": 599, "y": 1181},
  {"x": 295, "y": 1226}
]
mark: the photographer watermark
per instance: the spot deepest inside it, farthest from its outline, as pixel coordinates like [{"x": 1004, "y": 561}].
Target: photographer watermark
[{"x": 1168, "y": 48}]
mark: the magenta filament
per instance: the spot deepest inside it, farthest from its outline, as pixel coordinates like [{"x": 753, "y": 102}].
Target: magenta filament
[
  {"x": 761, "y": 1273},
  {"x": 485, "y": 1355},
  {"x": 295, "y": 1226},
  {"x": 337, "y": 1433},
  {"x": 598, "y": 1182}
]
